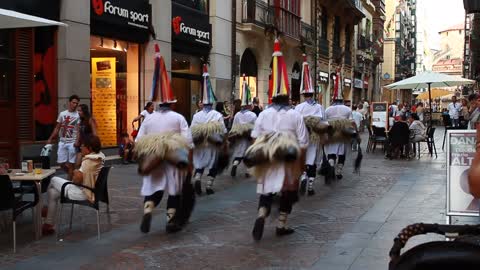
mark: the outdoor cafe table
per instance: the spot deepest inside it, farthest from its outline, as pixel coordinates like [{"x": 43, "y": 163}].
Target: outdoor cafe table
[{"x": 16, "y": 175}]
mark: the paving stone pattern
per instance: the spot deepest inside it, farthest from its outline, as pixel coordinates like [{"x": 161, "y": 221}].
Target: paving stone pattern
[{"x": 349, "y": 225}]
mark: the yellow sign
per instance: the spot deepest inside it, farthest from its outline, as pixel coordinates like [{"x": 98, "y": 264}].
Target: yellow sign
[{"x": 104, "y": 102}]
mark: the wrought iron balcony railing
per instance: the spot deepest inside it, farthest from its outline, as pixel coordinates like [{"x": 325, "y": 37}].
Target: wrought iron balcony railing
[
  {"x": 257, "y": 12},
  {"x": 307, "y": 33}
]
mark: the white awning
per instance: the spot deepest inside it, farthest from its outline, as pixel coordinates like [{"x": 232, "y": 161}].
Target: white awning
[{"x": 13, "y": 19}]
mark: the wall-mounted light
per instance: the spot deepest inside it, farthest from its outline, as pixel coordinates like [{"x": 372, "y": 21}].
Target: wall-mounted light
[
  {"x": 126, "y": 48},
  {"x": 114, "y": 44}
]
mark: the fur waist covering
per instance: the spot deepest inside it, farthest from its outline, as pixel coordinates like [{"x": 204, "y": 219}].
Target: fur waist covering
[
  {"x": 240, "y": 131},
  {"x": 208, "y": 133},
  {"x": 154, "y": 149},
  {"x": 341, "y": 131},
  {"x": 270, "y": 149},
  {"x": 317, "y": 129}
]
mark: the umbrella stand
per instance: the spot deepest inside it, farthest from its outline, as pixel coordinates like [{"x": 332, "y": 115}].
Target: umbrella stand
[{"x": 430, "y": 103}]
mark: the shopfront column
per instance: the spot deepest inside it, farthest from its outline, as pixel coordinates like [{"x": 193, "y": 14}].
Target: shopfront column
[{"x": 74, "y": 52}]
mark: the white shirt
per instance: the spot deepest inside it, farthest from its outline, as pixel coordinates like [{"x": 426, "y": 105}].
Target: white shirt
[
  {"x": 271, "y": 120},
  {"x": 145, "y": 114},
  {"x": 205, "y": 116},
  {"x": 165, "y": 121},
  {"x": 357, "y": 117},
  {"x": 307, "y": 109},
  {"x": 244, "y": 117},
  {"x": 68, "y": 126},
  {"x": 337, "y": 112},
  {"x": 454, "y": 109}
]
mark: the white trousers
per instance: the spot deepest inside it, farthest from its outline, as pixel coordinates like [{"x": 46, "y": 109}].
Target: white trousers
[{"x": 71, "y": 191}]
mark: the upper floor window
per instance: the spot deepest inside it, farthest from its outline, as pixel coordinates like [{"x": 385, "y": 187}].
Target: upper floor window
[
  {"x": 323, "y": 23},
  {"x": 291, "y": 5},
  {"x": 200, "y": 5},
  {"x": 347, "y": 37},
  {"x": 336, "y": 31}
]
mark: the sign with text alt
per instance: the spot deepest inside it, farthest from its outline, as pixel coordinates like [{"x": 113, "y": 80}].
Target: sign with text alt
[
  {"x": 379, "y": 113},
  {"x": 461, "y": 149}
]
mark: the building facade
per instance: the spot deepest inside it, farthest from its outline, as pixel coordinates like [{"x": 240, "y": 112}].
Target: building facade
[
  {"x": 400, "y": 47},
  {"x": 105, "y": 56}
]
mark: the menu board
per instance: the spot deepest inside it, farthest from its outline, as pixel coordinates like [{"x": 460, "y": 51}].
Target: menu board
[
  {"x": 460, "y": 154},
  {"x": 379, "y": 114},
  {"x": 104, "y": 105}
]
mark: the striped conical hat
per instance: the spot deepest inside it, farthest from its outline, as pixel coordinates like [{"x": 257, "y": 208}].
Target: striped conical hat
[
  {"x": 208, "y": 97},
  {"x": 278, "y": 83},
  {"x": 306, "y": 86},
  {"x": 246, "y": 93},
  {"x": 161, "y": 90}
]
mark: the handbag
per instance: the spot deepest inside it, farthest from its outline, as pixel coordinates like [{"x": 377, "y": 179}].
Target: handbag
[{"x": 134, "y": 132}]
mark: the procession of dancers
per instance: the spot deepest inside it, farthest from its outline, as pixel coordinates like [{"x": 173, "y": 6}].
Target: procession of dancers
[{"x": 284, "y": 148}]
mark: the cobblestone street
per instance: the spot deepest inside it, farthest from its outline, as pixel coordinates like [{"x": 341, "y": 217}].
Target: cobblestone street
[{"x": 349, "y": 225}]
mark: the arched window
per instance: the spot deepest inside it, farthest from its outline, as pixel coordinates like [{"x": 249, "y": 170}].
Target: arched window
[{"x": 249, "y": 72}]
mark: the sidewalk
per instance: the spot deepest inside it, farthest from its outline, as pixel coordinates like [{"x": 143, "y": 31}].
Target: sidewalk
[{"x": 350, "y": 225}]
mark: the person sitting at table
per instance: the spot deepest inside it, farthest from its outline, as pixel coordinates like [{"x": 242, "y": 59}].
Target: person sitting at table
[
  {"x": 398, "y": 138},
  {"x": 92, "y": 163},
  {"x": 417, "y": 129}
]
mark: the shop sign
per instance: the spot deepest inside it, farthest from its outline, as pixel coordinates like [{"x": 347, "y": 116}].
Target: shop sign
[
  {"x": 357, "y": 83},
  {"x": 379, "y": 114},
  {"x": 460, "y": 154},
  {"x": 323, "y": 77},
  {"x": 189, "y": 25},
  {"x": 347, "y": 82},
  {"x": 136, "y": 14}
]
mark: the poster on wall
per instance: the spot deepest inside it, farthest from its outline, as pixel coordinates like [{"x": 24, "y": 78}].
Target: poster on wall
[
  {"x": 379, "y": 114},
  {"x": 460, "y": 154},
  {"x": 104, "y": 99}
]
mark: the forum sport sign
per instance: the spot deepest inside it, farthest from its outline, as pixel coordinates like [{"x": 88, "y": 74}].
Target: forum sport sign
[{"x": 191, "y": 26}]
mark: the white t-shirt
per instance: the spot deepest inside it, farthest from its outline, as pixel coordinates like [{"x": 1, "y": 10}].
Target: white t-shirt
[
  {"x": 454, "y": 109},
  {"x": 145, "y": 114},
  {"x": 68, "y": 126},
  {"x": 357, "y": 117}
]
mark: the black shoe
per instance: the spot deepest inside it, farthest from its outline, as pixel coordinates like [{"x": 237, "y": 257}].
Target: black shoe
[
  {"x": 198, "y": 187},
  {"x": 210, "y": 191},
  {"x": 247, "y": 175},
  {"x": 173, "y": 226},
  {"x": 233, "y": 172},
  {"x": 284, "y": 231},
  {"x": 146, "y": 220},
  {"x": 303, "y": 187},
  {"x": 257, "y": 232},
  {"x": 339, "y": 177},
  {"x": 311, "y": 192}
]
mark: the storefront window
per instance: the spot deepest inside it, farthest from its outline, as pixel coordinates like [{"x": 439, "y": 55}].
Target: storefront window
[
  {"x": 201, "y": 5},
  {"x": 114, "y": 86},
  {"x": 7, "y": 64},
  {"x": 186, "y": 83}
]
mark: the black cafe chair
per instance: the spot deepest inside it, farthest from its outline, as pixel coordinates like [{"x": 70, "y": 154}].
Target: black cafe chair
[
  {"x": 9, "y": 201},
  {"x": 101, "y": 195},
  {"x": 376, "y": 135}
]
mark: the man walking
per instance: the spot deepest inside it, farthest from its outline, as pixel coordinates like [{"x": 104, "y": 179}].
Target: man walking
[
  {"x": 67, "y": 131},
  {"x": 454, "y": 109}
]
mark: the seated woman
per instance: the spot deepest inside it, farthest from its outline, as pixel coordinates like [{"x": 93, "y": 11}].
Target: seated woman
[
  {"x": 417, "y": 129},
  {"x": 92, "y": 163},
  {"x": 126, "y": 148},
  {"x": 398, "y": 138}
]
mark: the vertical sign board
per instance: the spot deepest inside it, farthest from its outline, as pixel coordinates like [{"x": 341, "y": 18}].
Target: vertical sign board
[
  {"x": 104, "y": 102},
  {"x": 379, "y": 114},
  {"x": 460, "y": 153}
]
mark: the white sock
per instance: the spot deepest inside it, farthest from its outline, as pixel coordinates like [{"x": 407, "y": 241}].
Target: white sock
[
  {"x": 210, "y": 182},
  {"x": 331, "y": 162},
  {"x": 339, "y": 169},
  {"x": 198, "y": 176},
  {"x": 262, "y": 212},
  {"x": 236, "y": 162},
  {"x": 310, "y": 183},
  {"x": 170, "y": 213},
  {"x": 282, "y": 220}
]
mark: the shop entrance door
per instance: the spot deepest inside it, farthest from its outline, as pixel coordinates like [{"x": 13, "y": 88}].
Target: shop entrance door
[{"x": 187, "y": 92}]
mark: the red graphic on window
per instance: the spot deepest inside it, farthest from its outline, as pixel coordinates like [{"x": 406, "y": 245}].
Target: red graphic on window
[
  {"x": 97, "y": 6},
  {"x": 176, "y": 24}
]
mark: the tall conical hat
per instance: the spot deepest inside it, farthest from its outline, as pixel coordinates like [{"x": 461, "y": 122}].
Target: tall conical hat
[
  {"x": 208, "y": 97},
  {"x": 306, "y": 85},
  {"x": 161, "y": 90},
  {"x": 278, "y": 83},
  {"x": 246, "y": 93}
]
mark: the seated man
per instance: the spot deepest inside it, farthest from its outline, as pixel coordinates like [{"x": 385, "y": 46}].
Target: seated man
[
  {"x": 398, "y": 137},
  {"x": 92, "y": 163},
  {"x": 126, "y": 148}
]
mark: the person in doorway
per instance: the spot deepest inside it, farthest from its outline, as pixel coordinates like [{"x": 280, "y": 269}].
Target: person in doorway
[
  {"x": 86, "y": 127},
  {"x": 208, "y": 129},
  {"x": 147, "y": 111},
  {"x": 454, "y": 110},
  {"x": 67, "y": 131},
  {"x": 92, "y": 162}
]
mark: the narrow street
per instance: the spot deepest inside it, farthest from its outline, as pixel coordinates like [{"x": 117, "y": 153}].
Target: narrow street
[{"x": 347, "y": 226}]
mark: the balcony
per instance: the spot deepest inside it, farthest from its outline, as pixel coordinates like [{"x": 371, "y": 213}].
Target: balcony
[
  {"x": 287, "y": 22},
  {"x": 307, "y": 34},
  {"x": 362, "y": 43},
  {"x": 323, "y": 47},
  {"x": 257, "y": 12}
]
